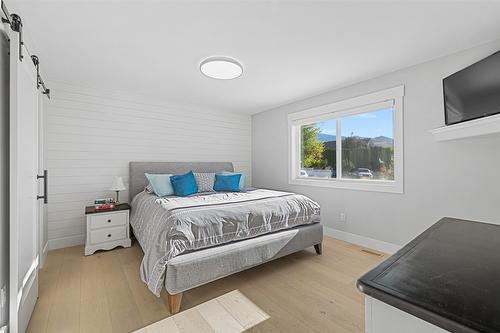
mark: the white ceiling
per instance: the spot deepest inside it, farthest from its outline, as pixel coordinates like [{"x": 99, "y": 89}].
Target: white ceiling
[{"x": 290, "y": 50}]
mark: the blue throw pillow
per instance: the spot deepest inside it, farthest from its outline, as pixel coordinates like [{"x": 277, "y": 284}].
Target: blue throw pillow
[
  {"x": 227, "y": 183},
  {"x": 242, "y": 178},
  {"x": 184, "y": 185},
  {"x": 160, "y": 183}
]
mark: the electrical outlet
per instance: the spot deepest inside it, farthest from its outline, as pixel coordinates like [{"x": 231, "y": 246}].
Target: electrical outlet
[{"x": 343, "y": 217}]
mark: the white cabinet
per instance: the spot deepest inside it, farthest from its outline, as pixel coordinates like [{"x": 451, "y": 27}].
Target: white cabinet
[
  {"x": 384, "y": 318},
  {"x": 108, "y": 229}
]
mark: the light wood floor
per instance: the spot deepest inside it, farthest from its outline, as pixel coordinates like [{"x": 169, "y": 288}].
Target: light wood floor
[
  {"x": 230, "y": 313},
  {"x": 302, "y": 292}
]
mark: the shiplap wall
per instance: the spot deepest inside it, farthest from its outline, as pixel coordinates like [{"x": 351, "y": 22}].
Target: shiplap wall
[{"x": 92, "y": 136}]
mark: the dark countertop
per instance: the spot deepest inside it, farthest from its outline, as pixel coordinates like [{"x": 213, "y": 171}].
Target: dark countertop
[
  {"x": 92, "y": 210},
  {"x": 448, "y": 276}
]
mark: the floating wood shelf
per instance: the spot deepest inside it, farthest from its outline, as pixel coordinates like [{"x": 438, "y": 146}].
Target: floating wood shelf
[{"x": 476, "y": 127}]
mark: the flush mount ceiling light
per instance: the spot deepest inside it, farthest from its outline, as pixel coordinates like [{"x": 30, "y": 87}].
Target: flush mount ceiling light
[{"x": 221, "y": 68}]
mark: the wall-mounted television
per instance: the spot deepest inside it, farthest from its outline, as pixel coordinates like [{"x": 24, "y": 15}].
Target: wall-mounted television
[{"x": 473, "y": 92}]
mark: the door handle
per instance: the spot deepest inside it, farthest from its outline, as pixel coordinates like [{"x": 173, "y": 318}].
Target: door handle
[{"x": 45, "y": 177}]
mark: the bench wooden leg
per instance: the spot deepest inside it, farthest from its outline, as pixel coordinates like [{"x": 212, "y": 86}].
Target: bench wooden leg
[
  {"x": 318, "y": 248},
  {"x": 174, "y": 302}
]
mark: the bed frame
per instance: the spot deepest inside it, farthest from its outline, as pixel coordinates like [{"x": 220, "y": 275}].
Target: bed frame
[{"x": 220, "y": 261}]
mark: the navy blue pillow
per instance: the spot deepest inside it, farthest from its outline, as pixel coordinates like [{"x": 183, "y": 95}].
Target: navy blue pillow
[
  {"x": 184, "y": 185},
  {"x": 227, "y": 183}
]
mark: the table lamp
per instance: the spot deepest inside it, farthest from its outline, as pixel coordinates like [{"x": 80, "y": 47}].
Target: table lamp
[{"x": 117, "y": 186}]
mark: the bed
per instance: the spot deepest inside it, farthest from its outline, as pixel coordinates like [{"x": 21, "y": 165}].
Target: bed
[{"x": 190, "y": 241}]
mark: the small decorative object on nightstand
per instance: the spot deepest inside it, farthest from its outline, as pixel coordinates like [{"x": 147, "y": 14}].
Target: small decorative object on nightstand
[
  {"x": 117, "y": 186},
  {"x": 107, "y": 229}
]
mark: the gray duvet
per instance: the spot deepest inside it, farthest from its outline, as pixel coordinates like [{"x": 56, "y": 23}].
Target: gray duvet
[{"x": 167, "y": 227}]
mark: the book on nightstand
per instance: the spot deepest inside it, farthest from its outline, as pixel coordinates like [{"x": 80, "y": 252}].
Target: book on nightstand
[{"x": 104, "y": 204}]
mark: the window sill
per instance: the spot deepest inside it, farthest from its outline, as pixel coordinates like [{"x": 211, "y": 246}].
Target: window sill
[{"x": 351, "y": 184}]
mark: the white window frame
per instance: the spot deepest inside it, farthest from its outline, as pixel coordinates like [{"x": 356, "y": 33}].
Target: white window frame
[{"x": 392, "y": 97}]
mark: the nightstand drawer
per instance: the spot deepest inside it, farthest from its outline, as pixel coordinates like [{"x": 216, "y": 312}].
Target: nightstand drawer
[
  {"x": 107, "y": 235},
  {"x": 108, "y": 220}
]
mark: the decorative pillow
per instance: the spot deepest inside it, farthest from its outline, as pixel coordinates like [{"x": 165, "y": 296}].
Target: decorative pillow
[
  {"x": 160, "y": 183},
  {"x": 184, "y": 185},
  {"x": 242, "y": 179},
  {"x": 149, "y": 189},
  {"x": 227, "y": 183},
  {"x": 205, "y": 181}
]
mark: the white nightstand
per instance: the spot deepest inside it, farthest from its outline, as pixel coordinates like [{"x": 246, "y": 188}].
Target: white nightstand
[{"x": 107, "y": 229}]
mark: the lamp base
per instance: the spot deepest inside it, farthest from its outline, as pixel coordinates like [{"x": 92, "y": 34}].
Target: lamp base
[{"x": 117, "y": 197}]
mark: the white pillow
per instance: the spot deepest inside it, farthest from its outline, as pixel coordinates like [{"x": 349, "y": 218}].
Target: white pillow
[
  {"x": 205, "y": 181},
  {"x": 161, "y": 184}
]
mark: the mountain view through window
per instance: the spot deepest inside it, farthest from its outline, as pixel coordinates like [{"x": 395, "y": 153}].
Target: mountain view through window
[{"x": 367, "y": 142}]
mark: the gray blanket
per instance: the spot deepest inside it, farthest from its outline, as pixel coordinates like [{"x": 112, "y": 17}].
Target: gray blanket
[{"x": 167, "y": 227}]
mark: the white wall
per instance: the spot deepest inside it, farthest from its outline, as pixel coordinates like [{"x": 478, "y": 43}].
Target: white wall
[
  {"x": 458, "y": 178},
  {"x": 4, "y": 170},
  {"x": 91, "y": 139}
]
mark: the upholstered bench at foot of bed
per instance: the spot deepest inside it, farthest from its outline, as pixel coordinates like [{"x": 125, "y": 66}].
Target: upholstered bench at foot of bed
[{"x": 196, "y": 268}]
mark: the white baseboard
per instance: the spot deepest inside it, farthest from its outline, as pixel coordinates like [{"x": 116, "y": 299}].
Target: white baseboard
[
  {"x": 43, "y": 255},
  {"x": 59, "y": 243},
  {"x": 362, "y": 240}
]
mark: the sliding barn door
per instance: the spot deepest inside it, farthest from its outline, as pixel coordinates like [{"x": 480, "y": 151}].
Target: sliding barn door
[
  {"x": 42, "y": 183},
  {"x": 24, "y": 229}
]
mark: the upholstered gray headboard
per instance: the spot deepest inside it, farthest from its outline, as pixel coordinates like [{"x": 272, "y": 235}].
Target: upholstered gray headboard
[{"x": 137, "y": 180}]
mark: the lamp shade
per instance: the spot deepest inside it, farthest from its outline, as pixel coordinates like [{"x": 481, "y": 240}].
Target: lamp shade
[{"x": 117, "y": 184}]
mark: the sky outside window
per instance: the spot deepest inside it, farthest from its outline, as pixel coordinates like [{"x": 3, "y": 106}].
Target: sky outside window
[{"x": 368, "y": 125}]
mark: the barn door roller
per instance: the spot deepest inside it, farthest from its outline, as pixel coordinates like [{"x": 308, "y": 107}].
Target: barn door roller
[
  {"x": 39, "y": 80},
  {"x": 16, "y": 25}
]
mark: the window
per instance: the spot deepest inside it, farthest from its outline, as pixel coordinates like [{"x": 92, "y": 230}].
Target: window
[{"x": 355, "y": 143}]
